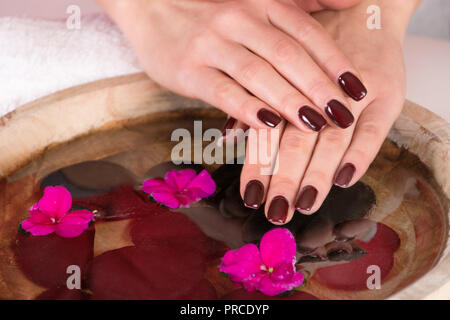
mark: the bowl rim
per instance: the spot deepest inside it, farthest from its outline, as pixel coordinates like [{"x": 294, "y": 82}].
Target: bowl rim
[{"x": 131, "y": 99}]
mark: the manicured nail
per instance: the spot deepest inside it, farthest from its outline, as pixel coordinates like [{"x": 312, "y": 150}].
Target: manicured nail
[
  {"x": 345, "y": 175},
  {"x": 253, "y": 195},
  {"x": 352, "y": 86},
  {"x": 339, "y": 114},
  {"x": 229, "y": 124},
  {"x": 269, "y": 118},
  {"x": 312, "y": 118},
  {"x": 278, "y": 210},
  {"x": 306, "y": 198}
]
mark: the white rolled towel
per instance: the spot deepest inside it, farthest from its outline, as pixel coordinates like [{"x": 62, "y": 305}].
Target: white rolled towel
[{"x": 39, "y": 57}]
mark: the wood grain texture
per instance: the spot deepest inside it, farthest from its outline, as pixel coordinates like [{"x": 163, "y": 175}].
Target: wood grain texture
[{"x": 52, "y": 121}]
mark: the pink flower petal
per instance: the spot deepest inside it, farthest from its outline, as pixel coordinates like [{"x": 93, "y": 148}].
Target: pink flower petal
[
  {"x": 272, "y": 288},
  {"x": 39, "y": 217},
  {"x": 242, "y": 264},
  {"x": 179, "y": 180},
  {"x": 74, "y": 223},
  {"x": 156, "y": 185},
  {"x": 202, "y": 185},
  {"x": 56, "y": 200},
  {"x": 37, "y": 229},
  {"x": 277, "y": 247},
  {"x": 161, "y": 192}
]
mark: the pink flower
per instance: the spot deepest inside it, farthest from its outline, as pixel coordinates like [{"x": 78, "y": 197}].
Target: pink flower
[
  {"x": 180, "y": 188},
  {"x": 51, "y": 214},
  {"x": 269, "y": 269}
]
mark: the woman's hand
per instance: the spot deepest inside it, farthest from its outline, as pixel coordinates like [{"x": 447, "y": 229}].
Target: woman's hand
[
  {"x": 308, "y": 164},
  {"x": 258, "y": 60}
]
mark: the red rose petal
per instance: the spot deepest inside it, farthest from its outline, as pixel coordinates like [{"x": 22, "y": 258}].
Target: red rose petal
[
  {"x": 353, "y": 275},
  {"x": 44, "y": 259},
  {"x": 121, "y": 203},
  {"x": 62, "y": 293},
  {"x": 173, "y": 229},
  {"x": 158, "y": 272},
  {"x": 204, "y": 290}
]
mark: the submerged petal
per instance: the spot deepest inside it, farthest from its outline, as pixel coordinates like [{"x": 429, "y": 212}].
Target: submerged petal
[
  {"x": 242, "y": 264},
  {"x": 277, "y": 247},
  {"x": 56, "y": 200}
]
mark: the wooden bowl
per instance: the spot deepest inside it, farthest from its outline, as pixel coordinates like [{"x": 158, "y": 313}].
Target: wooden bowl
[{"x": 105, "y": 117}]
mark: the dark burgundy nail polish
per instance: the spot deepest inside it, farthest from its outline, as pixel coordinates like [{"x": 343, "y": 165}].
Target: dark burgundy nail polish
[
  {"x": 269, "y": 118},
  {"x": 345, "y": 175},
  {"x": 306, "y": 198},
  {"x": 253, "y": 195},
  {"x": 312, "y": 118},
  {"x": 278, "y": 210},
  {"x": 339, "y": 114},
  {"x": 229, "y": 124},
  {"x": 352, "y": 86}
]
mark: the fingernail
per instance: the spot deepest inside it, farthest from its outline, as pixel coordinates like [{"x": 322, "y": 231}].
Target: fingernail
[
  {"x": 253, "y": 195},
  {"x": 229, "y": 124},
  {"x": 339, "y": 114},
  {"x": 312, "y": 118},
  {"x": 268, "y": 117},
  {"x": 306, "y": 198},
  {"x": 352, "y": 86},
  {"x": 278, "y": 210},
  {"x": 345, "y": 175}
]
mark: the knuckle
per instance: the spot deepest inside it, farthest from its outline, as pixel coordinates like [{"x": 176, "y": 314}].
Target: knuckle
[
  {"x": 319, "y": 176},
  {"x": 294, "y": 142},
  {"x": 200, "y": 42},
  {"x": 371, "y": 130},
  {"x": 333, "y": 139},
  {"x": 222, "y": 91},
  {"x": 229, "y": 14},
  {"x": 307, "y": 30},
  {"x": 249, "y": 71},
  {"x": 282, "y": 183},
  {"x": 284, "y": 50}
]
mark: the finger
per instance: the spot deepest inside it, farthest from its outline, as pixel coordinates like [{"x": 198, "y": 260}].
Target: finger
[
  {"x": 319, "y": 175},
  {"x": 262, "y": 80},
  {"x": 217, "y": 89},
  {"x": 371, "y": 130},
  {"x": 295, "y": 64},
  {"x": 233, "y": 131},
  {"x": 320, "y": 46},
  {"x": 296, "y": 148},
  {"x": 262, "y": 148}
]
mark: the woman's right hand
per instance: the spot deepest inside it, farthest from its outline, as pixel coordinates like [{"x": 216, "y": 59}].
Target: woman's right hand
[{"x": 258, "y": 60}]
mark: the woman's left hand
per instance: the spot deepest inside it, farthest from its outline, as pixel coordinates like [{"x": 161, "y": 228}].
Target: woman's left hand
[{"x": 309, "y": 163}]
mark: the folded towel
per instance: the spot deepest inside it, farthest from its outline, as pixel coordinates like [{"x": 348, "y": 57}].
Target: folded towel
[{"x": 39, "y": 57}]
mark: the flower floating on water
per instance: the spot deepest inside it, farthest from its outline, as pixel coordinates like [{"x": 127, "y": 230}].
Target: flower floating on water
[
  {"x": 51, "y": 214},
  {"x": 180, "y": 188},
  {"x": 269, "y": 269}
]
